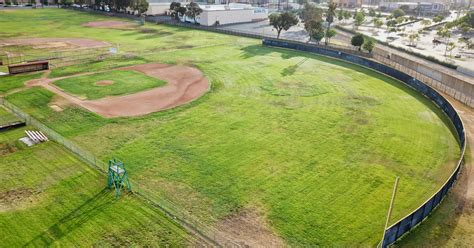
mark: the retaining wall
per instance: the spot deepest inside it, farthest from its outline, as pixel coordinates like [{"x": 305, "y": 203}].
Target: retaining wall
[{"x": 410, "y": 221}]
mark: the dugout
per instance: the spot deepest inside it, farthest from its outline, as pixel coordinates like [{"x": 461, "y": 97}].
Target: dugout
[{"x": 28, "y": 67}]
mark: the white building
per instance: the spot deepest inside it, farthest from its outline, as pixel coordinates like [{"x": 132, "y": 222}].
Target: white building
[
  {"x": 222, "y": 14},
  {"x": 159, "y": 7}
]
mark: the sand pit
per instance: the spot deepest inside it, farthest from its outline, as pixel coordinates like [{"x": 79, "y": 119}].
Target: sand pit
[
  {"x": 184, "y": 84},
  {"x": 104, "y": 83},
  {"x": 56, "y": 43},
  {"x": 110, "y": 24}
]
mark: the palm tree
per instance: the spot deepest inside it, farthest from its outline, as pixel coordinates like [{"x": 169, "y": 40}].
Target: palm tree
[{"x": 330, "y": 17}]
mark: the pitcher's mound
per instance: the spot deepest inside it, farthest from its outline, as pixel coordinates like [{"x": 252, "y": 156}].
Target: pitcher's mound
[{"x": 104, "y": 83}]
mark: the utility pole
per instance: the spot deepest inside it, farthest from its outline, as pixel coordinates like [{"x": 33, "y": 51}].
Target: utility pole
[{"x": 389, "y": 214}]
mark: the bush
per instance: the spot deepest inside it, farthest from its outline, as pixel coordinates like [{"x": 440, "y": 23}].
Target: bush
[
  {"x": 397, "y": 13},
  {"x": 369, "y": 45},
  {"x": 357, "y": 40}
]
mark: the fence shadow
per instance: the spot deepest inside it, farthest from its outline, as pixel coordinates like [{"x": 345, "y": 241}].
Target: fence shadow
[{"x": 74, "y": 219}]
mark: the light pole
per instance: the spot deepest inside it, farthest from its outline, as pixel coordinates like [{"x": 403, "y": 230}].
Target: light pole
[{"x": 389, "y": 214}]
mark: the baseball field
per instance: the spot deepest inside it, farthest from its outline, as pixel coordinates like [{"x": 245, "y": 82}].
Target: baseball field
[{"x": 264, "y": 146}]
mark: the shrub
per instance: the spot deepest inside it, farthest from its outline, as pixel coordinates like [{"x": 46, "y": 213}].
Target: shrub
[{"x": 357, "y": 40}]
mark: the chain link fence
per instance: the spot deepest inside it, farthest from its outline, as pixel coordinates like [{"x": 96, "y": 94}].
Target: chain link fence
[{"x": 58, "y": 58}]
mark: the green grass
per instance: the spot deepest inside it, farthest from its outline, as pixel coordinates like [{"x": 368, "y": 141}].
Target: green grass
[
  {"x": 50, "y": 198},
  {"x": 8, "y": 83},
  {"x": 124, "y": 82},
  {"x": 6, "y": 117},
  {"x": 313, "y": 143}
]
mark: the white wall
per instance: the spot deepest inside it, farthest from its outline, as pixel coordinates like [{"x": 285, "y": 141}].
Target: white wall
[
  {"x": 157, "y": 8},
  {"x": 209, "y": 18}
]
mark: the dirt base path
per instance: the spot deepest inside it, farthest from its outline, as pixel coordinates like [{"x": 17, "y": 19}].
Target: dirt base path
[{"x": 184, "y": 84}]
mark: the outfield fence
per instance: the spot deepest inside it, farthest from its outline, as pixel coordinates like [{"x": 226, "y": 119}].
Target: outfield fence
[{"x": 407, "y": 223}]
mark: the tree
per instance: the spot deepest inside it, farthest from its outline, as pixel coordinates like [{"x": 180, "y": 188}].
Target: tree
[
  {"x": 377, "y": 22},
  {"x": 425, "y": 23},
  {"x": 400, "y": 19},
  {"x": 330, "y": 13},
  {"x": 357, "y": 40},
  {"x": 283, "y": 21},
  {"x": 79, "y": 2},
  {"x": 301, "y": 3},
  {"x": 140, "y": 6},
  {"x": 413, "y": 39},
  {"x": 311, "y": 12},
  {"x": 318, "y": 35},
  {"x": 372, "y": 12},
  {"x": 193, "y": 11},
  {"x": 397, "y": 13},
  {"x": 66, "y": 2},
  {"x": 359, "y": 19},
  {"x": 446, "y": 34},
  {"x": 450, "y": 47},
  {"x": 329, "y": 34},
  {"x": 438, "y": 18},
  {"x": 369, "y": 45},
  {"x": 464, "y": 27},
  {"x": 391, "y": 23},
  {"x": 340, "y": 15},
  {"x": 313, "y": 26},
  {"x": 175, "y": 8},
  {"x": 347, "y": 15},
  {"x": 467, "y": 43}
]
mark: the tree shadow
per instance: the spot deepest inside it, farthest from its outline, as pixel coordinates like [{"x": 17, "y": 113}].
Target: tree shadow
[
  {"x": 255, "y": 50},
  {"x": 74, "y": 219},
  {"x": 260, "y": 50},
  {"x": 290, "y": 70}
]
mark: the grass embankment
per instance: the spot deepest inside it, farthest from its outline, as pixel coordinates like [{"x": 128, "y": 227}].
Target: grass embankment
[
  {"x": 49, "y": 197},
  {"x": 110, "y": 83},
  {"x": 312, "y": 143},
  {"x": 6, "y": 117}
]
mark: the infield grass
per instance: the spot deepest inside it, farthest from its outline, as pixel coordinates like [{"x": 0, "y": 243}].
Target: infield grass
[
  {"x": 312, "y": 143},
  {"x": 50, "y": 198},
  {"x": 122, "y": 82}
]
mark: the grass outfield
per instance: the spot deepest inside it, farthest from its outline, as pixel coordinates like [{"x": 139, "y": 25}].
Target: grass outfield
[
  {"x": 49, "y": 197},
  {"x": 312, "y": 144},
  {"x": 123, "y": 83}
]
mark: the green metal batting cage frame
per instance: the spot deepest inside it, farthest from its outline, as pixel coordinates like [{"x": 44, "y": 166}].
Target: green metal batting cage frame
[{"x": 117, "y": 176}]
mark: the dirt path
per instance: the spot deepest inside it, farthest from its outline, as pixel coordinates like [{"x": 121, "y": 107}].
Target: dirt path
[
  {"x": 57, "y": 43},
  {"x": 467, "y": 177},
  {"x": 110, "y": 24},
  {"x": 184, "y": 84}
]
